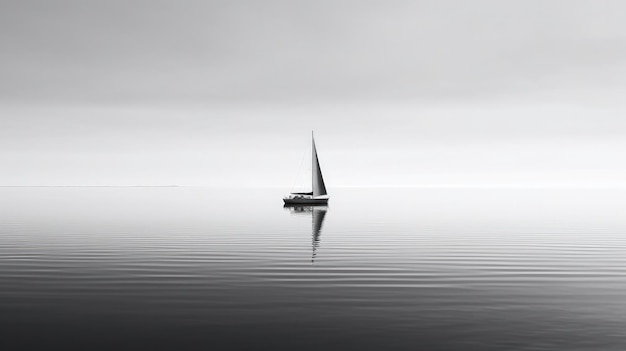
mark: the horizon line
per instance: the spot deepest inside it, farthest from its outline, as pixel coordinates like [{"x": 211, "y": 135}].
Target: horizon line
[{"x": 374, "y": 186}]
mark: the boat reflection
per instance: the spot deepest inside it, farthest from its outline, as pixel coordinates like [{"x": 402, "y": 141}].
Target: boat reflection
[{"x": 317, "y": 214}]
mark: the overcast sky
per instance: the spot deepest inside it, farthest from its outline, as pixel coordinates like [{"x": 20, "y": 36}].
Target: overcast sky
[{"x": 225, "y": 93}]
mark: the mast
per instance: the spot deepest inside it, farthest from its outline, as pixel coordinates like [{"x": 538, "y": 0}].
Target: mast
[{"x": 318, "y": 181}]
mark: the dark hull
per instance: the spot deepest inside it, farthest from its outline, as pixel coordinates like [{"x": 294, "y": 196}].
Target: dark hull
[{"x": 305, "y": 201}]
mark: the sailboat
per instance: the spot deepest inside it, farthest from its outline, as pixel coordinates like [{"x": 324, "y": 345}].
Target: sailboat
[{"x": 318, "y": 195}]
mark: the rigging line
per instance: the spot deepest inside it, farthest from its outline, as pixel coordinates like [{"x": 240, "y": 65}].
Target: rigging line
[{"x": 295, "y": 179}]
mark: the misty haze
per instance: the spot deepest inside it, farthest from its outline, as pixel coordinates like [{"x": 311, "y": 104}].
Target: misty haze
[{"x": 159, "y": 188}]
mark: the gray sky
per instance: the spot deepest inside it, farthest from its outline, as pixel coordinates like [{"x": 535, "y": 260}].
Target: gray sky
[{"x": 226, "y": 92}]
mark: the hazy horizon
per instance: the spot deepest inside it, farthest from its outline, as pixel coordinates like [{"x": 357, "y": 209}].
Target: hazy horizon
[{"x": 522, "y": 93}]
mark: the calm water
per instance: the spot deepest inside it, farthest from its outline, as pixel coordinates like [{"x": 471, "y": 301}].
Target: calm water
[{"x": 198, "y": 268}]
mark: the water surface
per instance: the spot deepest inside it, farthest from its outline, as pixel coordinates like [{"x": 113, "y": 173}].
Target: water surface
[{"x": 200, "y": 268}]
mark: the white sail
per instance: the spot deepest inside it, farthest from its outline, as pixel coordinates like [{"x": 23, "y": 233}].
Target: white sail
[{"x": 318, "y": 182}]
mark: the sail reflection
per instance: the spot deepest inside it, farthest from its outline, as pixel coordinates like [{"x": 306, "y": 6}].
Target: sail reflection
[{"x": 317, "y": 214}]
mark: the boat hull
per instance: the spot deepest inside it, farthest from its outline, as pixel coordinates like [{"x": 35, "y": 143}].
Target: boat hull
[{"x": 305, "y": 201}]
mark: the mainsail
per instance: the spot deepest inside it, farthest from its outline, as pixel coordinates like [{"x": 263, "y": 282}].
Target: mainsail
[{"x": 318, "y": 182}]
